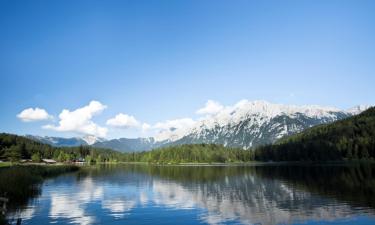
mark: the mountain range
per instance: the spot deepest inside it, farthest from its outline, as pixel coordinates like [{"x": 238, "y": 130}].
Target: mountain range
[
  {"x": 66, "y": 142},
  {"x": 245, "y": 125}
]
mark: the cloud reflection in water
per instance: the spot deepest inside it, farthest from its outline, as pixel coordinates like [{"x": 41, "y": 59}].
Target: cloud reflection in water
[{"x": 246, "y": 198}]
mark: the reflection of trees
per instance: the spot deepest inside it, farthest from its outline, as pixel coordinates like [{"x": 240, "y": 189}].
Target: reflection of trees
[
  {"x": 143, "y": 172},
  {"x": 268, "y": 194},
  {"x": 22, "y": 183},
  {"x": 248, "y": 198},
  {"x": 19, "y": 185},
  {"x": 353, "y": 183},
  {"x": 201, "y": 174},
  {"x": 280, "y": 193}
]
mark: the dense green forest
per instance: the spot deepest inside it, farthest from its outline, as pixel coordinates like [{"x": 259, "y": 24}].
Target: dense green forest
[
  {"x": 351, "y": 138},
  {"x": 193, "y": 153},
  {"x": 14, "y": 148}
]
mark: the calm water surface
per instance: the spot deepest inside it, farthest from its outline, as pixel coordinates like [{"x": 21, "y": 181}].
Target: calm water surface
[{"x": 259, "y": 194}]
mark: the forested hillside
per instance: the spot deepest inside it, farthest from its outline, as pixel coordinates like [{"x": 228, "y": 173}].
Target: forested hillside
[
  {"x": 14, "y": 148},
  {"x": 351, "y": 138},
  {"x": 194, "y": 153}
]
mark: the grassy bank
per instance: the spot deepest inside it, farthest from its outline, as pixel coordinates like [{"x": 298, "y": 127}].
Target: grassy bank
[
  {"x": 5, "y": 164},
  {"x": 20, "y": 183}
]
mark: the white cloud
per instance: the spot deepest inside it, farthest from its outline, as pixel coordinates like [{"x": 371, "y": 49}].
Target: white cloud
[
  {"x": 177, "y": 128},
  {"x": 211, "y": 108},
  {"x": 146, "y": 127},
  {"x": 80, "y": 120},
  {"x": 174, "y": 124},
  {"x": 173, "y": 129},
  {"x": 118, "y": 206},
  {"x": 31, "y": 115},
  {"x": 123, "y": 121}
]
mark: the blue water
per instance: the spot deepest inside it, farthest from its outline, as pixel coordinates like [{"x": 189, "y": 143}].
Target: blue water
[{"x": 133, "y": 194}]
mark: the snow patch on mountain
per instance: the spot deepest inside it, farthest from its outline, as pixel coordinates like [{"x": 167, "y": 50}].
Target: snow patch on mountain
[
  {"x": 358, "y": 109},
  {"x": 59, "y": 141},
  {"x": 91, "y": 139}
]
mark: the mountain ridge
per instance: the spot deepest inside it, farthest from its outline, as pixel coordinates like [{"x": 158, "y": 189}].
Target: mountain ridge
[{"x": 246, "y": 124}]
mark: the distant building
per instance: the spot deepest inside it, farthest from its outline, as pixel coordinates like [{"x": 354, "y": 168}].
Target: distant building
[
  {"x": 49, "y": 161},
  {"x": 79, "y": 161},
  {"x": 25, "y": 160}
]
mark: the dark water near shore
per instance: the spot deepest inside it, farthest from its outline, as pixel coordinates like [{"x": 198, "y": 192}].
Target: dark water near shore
[{"x": 258, "y": 194}]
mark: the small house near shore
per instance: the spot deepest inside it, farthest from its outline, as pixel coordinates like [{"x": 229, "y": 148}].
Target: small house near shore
[{"x": 49, "y": 161}]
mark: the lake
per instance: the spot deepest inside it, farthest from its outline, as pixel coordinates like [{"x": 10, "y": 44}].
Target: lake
[{"x": 253, "y": 194}]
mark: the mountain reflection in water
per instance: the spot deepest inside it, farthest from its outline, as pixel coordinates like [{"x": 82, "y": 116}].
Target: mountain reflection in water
[{"x": 266, "y": 194}]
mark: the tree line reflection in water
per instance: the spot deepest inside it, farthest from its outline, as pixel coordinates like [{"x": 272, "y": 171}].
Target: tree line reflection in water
[{"x": 266, "y": 194}]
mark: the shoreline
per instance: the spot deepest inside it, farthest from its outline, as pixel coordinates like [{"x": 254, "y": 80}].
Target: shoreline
[
  {"x": 253, "y": 163},
  {"x": 346, "y": 162}
]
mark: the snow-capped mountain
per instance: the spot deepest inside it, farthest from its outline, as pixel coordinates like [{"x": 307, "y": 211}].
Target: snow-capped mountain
[
  {"x": 249, "y": 124},
  {"x": 90, "y": 139},
  {"x": 59, "y": 141},
  {"x": 245, "y": 125},
  {"x": 67, "y": 142},
  {"x": 358, "y": 109},
  {"x": 121, "y": 144},
  {"x": 130, "y": 144}
]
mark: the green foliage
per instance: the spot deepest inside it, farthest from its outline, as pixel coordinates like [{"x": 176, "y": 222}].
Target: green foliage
[
  {"x": 89, "y": 159},
  {"x": 351, "y": 138},
  {"x": 194, "y": 153},
  {"x": 14, "y": 148},
  {"x": 5, "y": 164},
  {"x": 36, "y": 157},
  {"x": 13, "y": 153}
]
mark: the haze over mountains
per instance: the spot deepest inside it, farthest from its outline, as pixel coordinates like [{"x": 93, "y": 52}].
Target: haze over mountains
[{"x": 246, "y": 124}]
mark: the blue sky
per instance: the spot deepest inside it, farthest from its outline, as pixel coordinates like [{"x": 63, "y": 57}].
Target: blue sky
[{"x": 162, "y": 60}]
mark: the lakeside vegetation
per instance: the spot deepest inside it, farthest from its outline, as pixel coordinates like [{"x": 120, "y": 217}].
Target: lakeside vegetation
[
  {"x": 5, "y": 164},
  {"x": 21, "y": 183}
]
